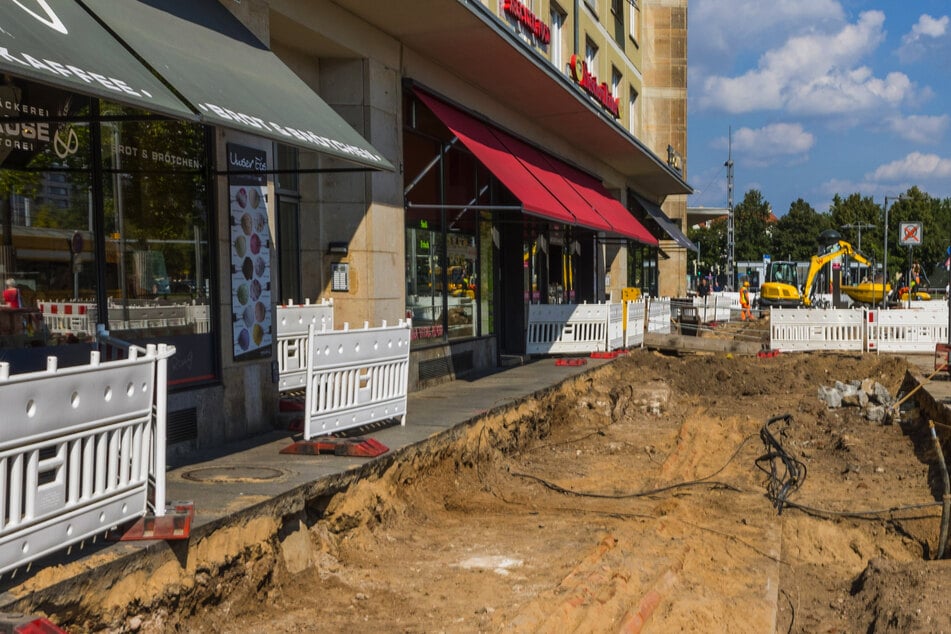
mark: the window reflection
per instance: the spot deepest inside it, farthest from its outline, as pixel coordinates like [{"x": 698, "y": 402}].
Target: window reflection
[{"x": 122, "y": 242}]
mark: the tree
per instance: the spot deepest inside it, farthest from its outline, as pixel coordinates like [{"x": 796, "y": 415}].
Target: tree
[
  {"x": 796, "y": 235},
  {"x": 711, "y": 239},
  {"x": 860, "y": 221},
  {"x": 751, "y": 223}
]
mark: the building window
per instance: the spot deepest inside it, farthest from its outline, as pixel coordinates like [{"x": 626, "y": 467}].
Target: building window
[
  {"x": 615, "y": 82},
  {"x": 593, "y": 6},
  {"x": 558, "y": 17},
  {"x": 617, "y": 12},
  {"x": 635, "y": 20},
  {"x": 591, "y": 56},
  {"x": 632, "y": 115}
]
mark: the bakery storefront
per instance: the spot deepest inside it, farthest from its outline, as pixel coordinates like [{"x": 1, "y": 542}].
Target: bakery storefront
[{"x": 136, "y": 156}]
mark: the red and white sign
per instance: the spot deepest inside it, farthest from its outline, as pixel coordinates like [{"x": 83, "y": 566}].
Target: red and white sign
[
  {"x": 587, "y": 81},
  {"x": 909, "y": 234}
]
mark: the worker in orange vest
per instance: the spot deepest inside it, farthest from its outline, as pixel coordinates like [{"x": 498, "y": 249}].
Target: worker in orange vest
[{"x": 745, "y": 312}]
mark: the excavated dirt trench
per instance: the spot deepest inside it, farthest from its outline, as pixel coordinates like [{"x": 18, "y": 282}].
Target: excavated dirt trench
[{"x": 629, "y": 499}]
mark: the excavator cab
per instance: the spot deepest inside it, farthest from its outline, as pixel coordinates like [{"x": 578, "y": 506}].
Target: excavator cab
[{"x": 781, "y": 287}]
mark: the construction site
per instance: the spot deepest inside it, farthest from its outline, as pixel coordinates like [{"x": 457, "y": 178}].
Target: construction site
[{"x": 662, "y": 490}]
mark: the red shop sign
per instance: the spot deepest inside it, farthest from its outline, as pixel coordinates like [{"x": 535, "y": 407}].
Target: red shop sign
[
  {"x": 528, "y": 19},
  {"x": 601, "y": 92}
]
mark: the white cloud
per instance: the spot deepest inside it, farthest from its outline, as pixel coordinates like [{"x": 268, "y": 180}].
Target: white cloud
[
  {"x": 814, "y": 74},
  {"x": 717, "y": 31},
  {"x": 915, "y": 166},
  {"x": 925, "y": 35},
  {"x": 928, "y": 26},
  {"x": 920, "y": 128},
  {"x": 762, "y": 146}
]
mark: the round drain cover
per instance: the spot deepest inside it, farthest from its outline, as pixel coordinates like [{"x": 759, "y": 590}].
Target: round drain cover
[{"x": 233, "y": 474}]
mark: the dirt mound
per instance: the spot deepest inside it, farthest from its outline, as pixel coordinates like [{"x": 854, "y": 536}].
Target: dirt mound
[{"x": 640, "y": 495}]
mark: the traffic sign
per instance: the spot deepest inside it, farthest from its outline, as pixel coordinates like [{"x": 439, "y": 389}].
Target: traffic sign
[{"x": 910, "y": 234}]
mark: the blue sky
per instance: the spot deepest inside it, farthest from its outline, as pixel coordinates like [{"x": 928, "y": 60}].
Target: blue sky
[{"x": 823, "y": 97}]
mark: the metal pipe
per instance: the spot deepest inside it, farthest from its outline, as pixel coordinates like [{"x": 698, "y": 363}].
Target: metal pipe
[{"x": 946, "y": 498}]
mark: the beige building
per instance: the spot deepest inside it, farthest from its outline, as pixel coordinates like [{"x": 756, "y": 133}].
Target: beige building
[{"x": 465, "y": 160}]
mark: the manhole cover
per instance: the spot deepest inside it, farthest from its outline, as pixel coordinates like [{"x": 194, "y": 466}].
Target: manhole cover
[{"x": 233, "y": 474}]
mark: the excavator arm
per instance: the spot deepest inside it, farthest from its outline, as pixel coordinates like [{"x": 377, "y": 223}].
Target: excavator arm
[{"x": 818, "y": 261}]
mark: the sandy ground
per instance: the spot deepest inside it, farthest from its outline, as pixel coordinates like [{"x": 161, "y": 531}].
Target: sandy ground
[
  {"x": 631, "y": 500},
  {"x": 636, "y": 498}
]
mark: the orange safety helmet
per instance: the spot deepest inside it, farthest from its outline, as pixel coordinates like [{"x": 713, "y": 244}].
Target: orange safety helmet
[{"x": 746, "y": 284}]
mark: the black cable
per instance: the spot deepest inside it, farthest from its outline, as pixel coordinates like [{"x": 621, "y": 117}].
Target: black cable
[
  {"x": 621, "y": 496},
  {"x": 785, "y": 474}
]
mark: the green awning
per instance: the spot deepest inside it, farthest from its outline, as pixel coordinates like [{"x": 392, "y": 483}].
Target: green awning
[
  {"x": 230, "y": 77},
  {"x": 57, "y": 42}
]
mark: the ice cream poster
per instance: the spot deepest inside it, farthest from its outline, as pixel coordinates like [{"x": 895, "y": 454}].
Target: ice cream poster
[{"x": 251, "y": 319}]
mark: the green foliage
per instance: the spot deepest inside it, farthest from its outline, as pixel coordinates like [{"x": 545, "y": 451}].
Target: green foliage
[
  {"x": 752, "y": 227},
  {"x": 794, "y": 236}
]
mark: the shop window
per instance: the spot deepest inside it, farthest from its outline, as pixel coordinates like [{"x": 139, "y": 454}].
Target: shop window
[
  {"x": 288, "y": 223},
  {"x": 448, "y": 237},
  {"x": 123, "y": 242}
]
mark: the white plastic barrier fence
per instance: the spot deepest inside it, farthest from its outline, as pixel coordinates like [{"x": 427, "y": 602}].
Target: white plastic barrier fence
[
  {"x": 615, "y": 326},
  {"x": 571, "y": 328},
  {"x": 69, "y": 317},
  {"x": 904, "y": 330},
  {"x": 81, "y": 317},
  {"x": 817, "y": 329},
  {"x": 658, "y": 315},
  {"x": 77, "y": 448},
  {"x": 293, "y": 323},
  {"x": 634, "y": 329},
  {"x": 714, "y": 307},
  {"x": 355, "y": 377}
]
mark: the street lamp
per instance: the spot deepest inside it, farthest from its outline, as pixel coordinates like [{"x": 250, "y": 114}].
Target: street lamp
[
  {"x": 885, "y": 263},
  {"x": 859, "y": 226}
]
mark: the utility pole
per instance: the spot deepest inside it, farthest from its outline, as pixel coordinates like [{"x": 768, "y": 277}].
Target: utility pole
[{"x": 730, "y": 227}]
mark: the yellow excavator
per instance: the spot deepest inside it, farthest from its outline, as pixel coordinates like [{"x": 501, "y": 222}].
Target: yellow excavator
[
  {"x": 818, "y": 261},
  {"x": 781, "y": 286}
]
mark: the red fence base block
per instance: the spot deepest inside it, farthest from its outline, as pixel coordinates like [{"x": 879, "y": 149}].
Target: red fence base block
[
  {"x": 27, "y": 624},
  {"x": 605, "y": 355},
  {"x": 571, "y": 361},
  {"x": 358, "y": 447},
  {"x": 291, "y": 404},
  {"x": 175, "y": 524}
]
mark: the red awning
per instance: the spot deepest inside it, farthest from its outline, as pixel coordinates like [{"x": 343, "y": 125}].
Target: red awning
[
  {"x": 545, "y": 185},
  {"x": 608, "y": 206},
  {"x": 480, "y": 140},
  {"x": 542, "y": 167}
]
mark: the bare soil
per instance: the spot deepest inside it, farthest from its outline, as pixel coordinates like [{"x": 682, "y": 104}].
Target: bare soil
[
  {"x": 637, "y": 504},
  {"x": 635, "y": 498}
]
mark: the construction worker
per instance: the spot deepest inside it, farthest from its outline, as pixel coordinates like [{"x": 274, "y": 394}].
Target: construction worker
[{"x": 745, "y": 312}]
